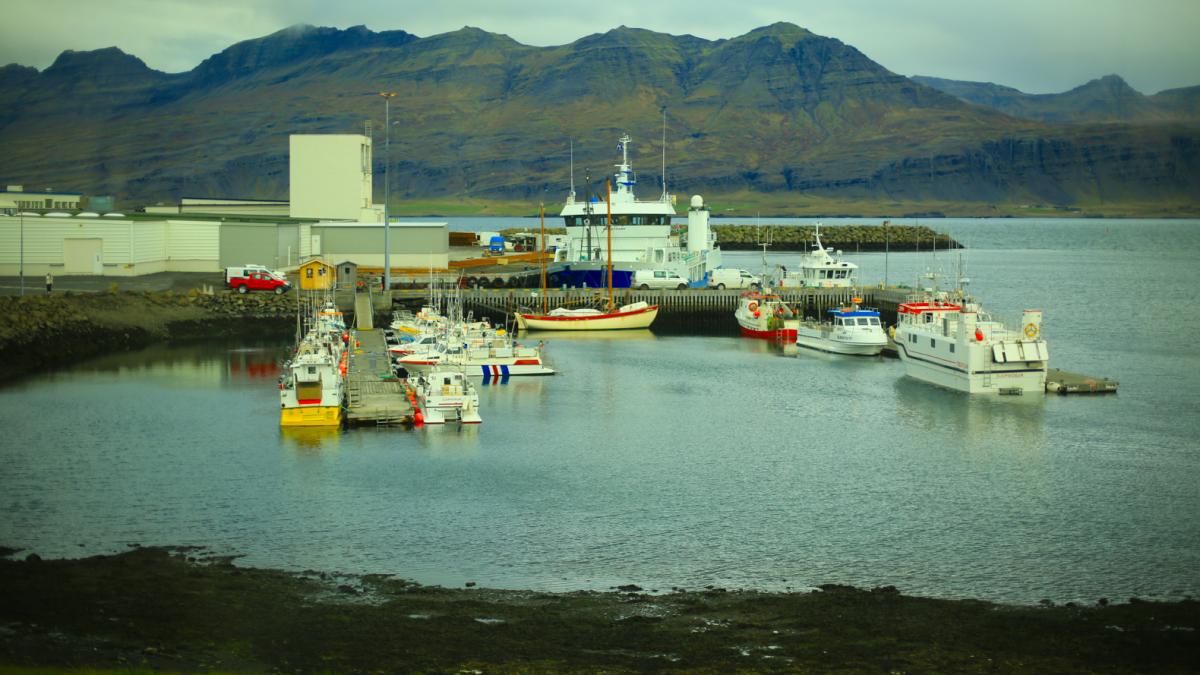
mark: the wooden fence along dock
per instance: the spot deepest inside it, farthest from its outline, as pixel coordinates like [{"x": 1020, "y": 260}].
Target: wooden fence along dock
[{"x": 374, "y": 394}]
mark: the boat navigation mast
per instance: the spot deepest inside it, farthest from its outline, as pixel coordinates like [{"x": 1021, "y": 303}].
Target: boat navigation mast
[
  {"x": 665, "y": 196},
  {"x": 608, "y": 200}
]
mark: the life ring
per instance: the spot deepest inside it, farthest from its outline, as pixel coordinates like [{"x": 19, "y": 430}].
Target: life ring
[
  {"x": 1031, "y": 330},
  {"x": 753, "y": 306}
]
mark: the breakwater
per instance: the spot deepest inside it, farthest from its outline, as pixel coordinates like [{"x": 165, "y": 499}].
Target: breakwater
[
  {"x": 846, "y": 237},
  {"x": 38, "y": 331},
  {"x": 781, "y": 237}
]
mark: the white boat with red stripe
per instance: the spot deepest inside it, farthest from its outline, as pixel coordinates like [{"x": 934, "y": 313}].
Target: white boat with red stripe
[{"x": 483, "y": 361}]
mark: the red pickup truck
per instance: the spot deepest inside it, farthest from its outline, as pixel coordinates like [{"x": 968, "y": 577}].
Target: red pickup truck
[{"x": 258, "y": 281}]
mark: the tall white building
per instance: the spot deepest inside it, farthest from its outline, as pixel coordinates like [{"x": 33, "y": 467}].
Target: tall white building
[{"x": 331, "y": 177}]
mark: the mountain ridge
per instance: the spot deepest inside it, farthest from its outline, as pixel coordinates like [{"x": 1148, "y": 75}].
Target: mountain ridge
[{"x": 777, "y": 110}]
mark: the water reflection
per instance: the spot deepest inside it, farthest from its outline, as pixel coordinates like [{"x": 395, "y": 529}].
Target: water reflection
[
  {"x": 614, "y": 335},
  {"x": 985, "y": 423},
  {"x": 309, "y": 440},
  {"x": 449, "y": 440}
]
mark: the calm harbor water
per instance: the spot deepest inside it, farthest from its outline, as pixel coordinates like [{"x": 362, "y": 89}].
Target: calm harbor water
[{"x": 680, "y": 460}]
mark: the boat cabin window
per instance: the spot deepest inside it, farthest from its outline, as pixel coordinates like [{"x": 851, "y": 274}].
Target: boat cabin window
[
  {"x": 837, "y": 321},
  {"x": 863, "y": 321},
  {"x": 874, "y": 321},
  {"x": 932, "y": 342},
  {"x": 951, "y": 347}
]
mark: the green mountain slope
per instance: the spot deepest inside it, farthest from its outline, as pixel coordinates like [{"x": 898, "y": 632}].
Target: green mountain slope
[{"x": 778, "y": 112}]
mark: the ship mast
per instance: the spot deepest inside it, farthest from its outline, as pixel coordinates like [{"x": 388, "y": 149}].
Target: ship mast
[
  {"x": 545, "y": 301},
  {"x": 608, "y": 200},
  {"x": 664, "y": 159}
]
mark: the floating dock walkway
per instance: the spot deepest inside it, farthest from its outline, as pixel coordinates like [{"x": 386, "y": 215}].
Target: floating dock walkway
[
  {"x": 375, "y": 396},
  {"x": 1063, "y": 382}
]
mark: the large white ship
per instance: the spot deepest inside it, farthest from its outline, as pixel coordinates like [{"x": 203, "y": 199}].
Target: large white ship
[
  {"x": 641, "y": 235},
  {"x": 951, "y": 342}
]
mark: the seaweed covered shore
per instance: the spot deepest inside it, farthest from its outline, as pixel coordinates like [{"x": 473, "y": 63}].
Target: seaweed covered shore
[{"x": 182, "y": 610}]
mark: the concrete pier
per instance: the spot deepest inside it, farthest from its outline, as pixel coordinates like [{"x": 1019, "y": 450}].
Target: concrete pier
[{"x": 703, "y": 310}]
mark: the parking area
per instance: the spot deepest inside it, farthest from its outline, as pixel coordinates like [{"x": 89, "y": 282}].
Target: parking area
[{"x": 163, "y": 281}]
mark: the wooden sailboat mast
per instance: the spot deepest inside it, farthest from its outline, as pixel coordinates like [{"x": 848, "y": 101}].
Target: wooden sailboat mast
[{"x": 608, "y": 200}]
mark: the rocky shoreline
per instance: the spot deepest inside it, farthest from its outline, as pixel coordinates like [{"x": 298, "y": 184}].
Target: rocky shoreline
[
  {"x": 183, "y": 610},
  {"x": 40, "y": 331}
]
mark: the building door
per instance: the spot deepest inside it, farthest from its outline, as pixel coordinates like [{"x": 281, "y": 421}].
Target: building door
[
  {"x": 316, "y": 245},
  {"x": 83, "y": 256}
]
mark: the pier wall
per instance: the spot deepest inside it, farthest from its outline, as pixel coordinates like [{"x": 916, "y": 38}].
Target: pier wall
[{"x": 691, "y": 311}]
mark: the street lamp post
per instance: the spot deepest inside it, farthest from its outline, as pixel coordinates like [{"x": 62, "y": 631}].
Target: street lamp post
[
  {"x": 387, "y": 186},
  {"x": 22, "y": 265}
]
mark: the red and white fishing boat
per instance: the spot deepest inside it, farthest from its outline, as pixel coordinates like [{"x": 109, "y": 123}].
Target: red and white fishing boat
[{"x": 765, "y": 316}]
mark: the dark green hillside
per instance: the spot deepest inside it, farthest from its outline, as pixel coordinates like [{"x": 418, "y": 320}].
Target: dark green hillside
[{"x": 778, "y": 115}]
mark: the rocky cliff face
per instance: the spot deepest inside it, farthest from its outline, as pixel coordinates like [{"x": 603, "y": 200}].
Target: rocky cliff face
[
  {"x": 479, "y": 115},
  {"x": 1107, "y": 99}
]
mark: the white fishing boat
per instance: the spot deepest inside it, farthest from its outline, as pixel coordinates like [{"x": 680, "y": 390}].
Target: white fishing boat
[
  {"x": 497, "y": 359},
  {"x": 607, "y": 317},
  {"x": 849, "y": 330},
  {"x": 641, "y": 234},
  {"x": 819, "y": 269},
  {"x": 310, "y": 393},
  {"x": 446, "y": 393},
  {"x": 953, "y": 343}
]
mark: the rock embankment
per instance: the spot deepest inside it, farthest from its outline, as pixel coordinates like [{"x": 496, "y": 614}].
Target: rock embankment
[
  {"x": 844, "y": 237},
  {"x": 41, "y": 331}
]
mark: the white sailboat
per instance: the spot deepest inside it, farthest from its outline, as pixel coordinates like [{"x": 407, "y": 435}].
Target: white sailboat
[{"x": 609, "y": 317}]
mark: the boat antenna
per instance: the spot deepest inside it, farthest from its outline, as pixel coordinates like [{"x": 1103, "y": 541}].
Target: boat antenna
[
  {"x": 587, "y": 209},
  {"x": 664, "y": 150},
  {"x": 572, "y": 196}
]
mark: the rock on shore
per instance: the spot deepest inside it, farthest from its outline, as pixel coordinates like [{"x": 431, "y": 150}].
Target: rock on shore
[{"x": 40, "y": 331}]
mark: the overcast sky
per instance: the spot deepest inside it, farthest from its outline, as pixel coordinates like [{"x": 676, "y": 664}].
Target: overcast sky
[{"x": 1038, "y": 46}]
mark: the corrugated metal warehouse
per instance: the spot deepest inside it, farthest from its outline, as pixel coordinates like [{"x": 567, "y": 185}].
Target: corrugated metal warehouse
[{"x": 115, "y": 245}]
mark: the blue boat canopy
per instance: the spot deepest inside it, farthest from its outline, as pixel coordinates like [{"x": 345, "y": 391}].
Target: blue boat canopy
[{"x": 857, "y": 312}]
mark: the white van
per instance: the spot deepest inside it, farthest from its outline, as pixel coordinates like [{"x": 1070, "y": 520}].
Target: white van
[
  {"x": 731, "y": 278},
  {"x": 243, "y": 271},
  {"x": 647, "y": 279}
]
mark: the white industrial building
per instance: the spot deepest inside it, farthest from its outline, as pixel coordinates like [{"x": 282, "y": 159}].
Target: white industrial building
[{"x": 330, "y": 215}]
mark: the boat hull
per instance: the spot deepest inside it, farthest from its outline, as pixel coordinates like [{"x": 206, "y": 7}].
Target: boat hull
[
  {"x": 488, "y": 370},
  {"x": 311, "y": 416},
  {"x": 641, "y": 318},
  {"x": 1017, "y": 381},
  {"x": 852, "y": 342},
  {"x": 837, "y": 346},
  {"x": 781, "y": 334}
]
